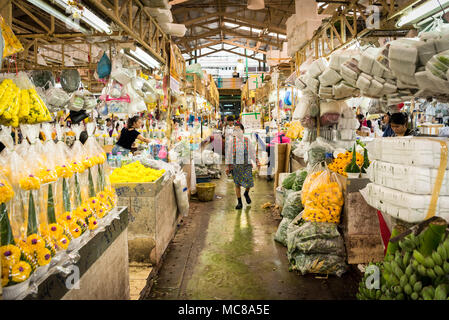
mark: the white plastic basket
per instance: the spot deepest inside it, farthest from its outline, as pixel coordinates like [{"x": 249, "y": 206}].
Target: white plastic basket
[{"x": 404, "y": 206}]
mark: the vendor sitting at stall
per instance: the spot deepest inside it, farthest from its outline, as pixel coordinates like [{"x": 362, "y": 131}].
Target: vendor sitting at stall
[
  {"x": 398, "y": 124},
  {"x": 128, "y": 135}
]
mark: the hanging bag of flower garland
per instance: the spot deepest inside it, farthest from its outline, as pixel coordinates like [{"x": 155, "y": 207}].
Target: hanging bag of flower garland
[
  {"x": 32, "y": 108},
  {"x": 87, "y": 210},
  {"x": 12, "y": 45},
  {"x": 73, "y": 227},
  {"x": 16, "y": 270},
  {"x": 98, "y": 157},
  {"x": 322, "y": 196}
]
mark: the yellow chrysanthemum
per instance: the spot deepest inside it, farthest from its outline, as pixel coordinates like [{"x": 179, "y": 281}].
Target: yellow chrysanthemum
[
  {"x": 30, "y": 182},
  {"x": 10, "y": 254},
  {"x": 75, "y": 230},
  {"x": 64, "y": 171},
  {"x": 35, "y": 242},
  {"x": 43, "y": 256},
  {"x": 20, "y": 271},
  {"x": 93, "y": 223},
  {"x": 47, "y": 175},
  {"x": 55, "y": 231},
  {"x": 77, "y": 166},
  {"x": 63, "y": 242},
  {"x": 6, "y": 191}
]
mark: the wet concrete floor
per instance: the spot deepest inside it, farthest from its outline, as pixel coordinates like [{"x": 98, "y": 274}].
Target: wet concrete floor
[{"x": 221, "y": 253}]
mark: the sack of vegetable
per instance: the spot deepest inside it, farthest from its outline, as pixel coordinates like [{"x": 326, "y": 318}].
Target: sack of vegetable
[
  {"x": 292, "y": 206},
  {"x": 315, "y": 237},
  {"x": 281, "y": 233},
  {"x": 288, "y": 182},
  {"x": 301, "y": 176}
]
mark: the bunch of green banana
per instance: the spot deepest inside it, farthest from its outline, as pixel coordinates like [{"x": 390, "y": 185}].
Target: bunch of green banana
[{"x": 417, "y": 269}]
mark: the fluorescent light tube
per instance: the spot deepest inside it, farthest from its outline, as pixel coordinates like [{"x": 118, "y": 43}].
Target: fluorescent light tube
[
  {"x": 88, "y": 17},
  {"x": 52, "y": 11},
  {"x": 421, "y": 12},
  {"x": 142, "y": 58}
]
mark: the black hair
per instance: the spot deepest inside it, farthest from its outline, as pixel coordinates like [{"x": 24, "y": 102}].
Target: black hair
[
  {"x": 230, "y": 118},
  {"x": 360, "y": 116},
  {"x": 132, "y": 121},
  {"x": 399, "y": 118},
  {"x": 83, "y": 136},
  {"x": 240, "y": 126}
]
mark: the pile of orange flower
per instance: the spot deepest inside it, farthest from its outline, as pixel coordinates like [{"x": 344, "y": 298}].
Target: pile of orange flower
[
  {"x": 322, "y": 198},
  {"x": 339, "y": 164}
]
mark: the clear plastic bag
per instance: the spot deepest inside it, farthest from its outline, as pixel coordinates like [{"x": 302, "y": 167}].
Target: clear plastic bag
[
  {"x": 181, "y": 191},
  {"x": 322, "y": 197},
  {"x": 70, "y": 80},
  {"x": 12, "y": 45},
  {"x": 56, "y": 98},
  {"x": 281, "y": 233},
  {"x": 292, "y": 205}
]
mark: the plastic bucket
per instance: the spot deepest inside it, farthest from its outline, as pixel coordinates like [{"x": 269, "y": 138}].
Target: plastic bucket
[{"x": 205, "y": 191}]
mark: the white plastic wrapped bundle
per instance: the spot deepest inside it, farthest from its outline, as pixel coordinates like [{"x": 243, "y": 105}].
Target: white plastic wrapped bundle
[
  {"x": 329, "y": 107},
  {"x": 300, "y": 83},
  {"x": 375, "y": 88},
  {"x": 426, "y": 50},
  {"x": 404, "y": 206},
  {"x": 336, "y": 60},
  {"x": 343, "y": 90},
  {"x": 317, "y": 67},
  {"x": 411, "y": 179},
  {"x": 404, "y": 50},
  {"x": 367, "y": 59},
  {"x": 313, "y": 84},
  {"x": 177, "y": 30},
  {"x": 442, "y": 44},
  {"x": 412, "y": 151},
  {"x": 402, "y": 67},
  {"x": 181, "y": 192},
  {"x": 161, "y": 15},
  {"x": 363, "y": 82},
  {"x": 329, "y": 77}
]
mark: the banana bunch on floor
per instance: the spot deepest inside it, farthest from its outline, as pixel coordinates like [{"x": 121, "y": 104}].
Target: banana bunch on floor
[
  {"x": 417, "y": 269},
  {"x": 21, "y": 106}
]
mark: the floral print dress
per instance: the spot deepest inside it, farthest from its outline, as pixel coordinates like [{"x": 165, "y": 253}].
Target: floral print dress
[{"x": 239, "y": 159}]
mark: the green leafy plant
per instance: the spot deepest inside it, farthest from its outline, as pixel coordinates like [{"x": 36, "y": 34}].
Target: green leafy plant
[{"x": 352, "y": 167}]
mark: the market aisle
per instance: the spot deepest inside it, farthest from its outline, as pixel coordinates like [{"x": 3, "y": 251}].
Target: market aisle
[{"x": 222, "y": 253}]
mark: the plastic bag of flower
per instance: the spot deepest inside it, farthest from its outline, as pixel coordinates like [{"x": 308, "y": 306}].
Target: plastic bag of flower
[
  {"x": 322, "y": 196},
  {"x": 12, "y": 44}
]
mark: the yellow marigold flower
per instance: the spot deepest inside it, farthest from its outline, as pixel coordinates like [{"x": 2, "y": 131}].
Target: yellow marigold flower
[
  {"x": 88, "y": 162},
  {"x": 75, "y": 230},
  {"x": 43, "y": 256},
  {"x": 10, "y": 254},
  {"x": 6, "y": 191},
  {"x": 93, "y": 223},
  {"x": 35, "y": 242},
  {"x": 30, "y": 182},
  {"x": 55, "y": 230},
  {"x": 63, "y": 242},
  {"x": 64, "y": 171},
  {"x": 20, "y": 271},
  {"x": 77, "y": 166},
  {"x": 47, "y": 175}
]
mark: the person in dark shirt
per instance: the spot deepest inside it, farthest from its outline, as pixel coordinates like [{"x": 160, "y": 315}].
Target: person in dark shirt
[
  {"x": 398, "y": 124},
  {"x": 128, "y": 135}
]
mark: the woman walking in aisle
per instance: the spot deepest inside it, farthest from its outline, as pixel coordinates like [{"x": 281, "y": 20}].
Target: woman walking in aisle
[{"x": 239, "y": 155}]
